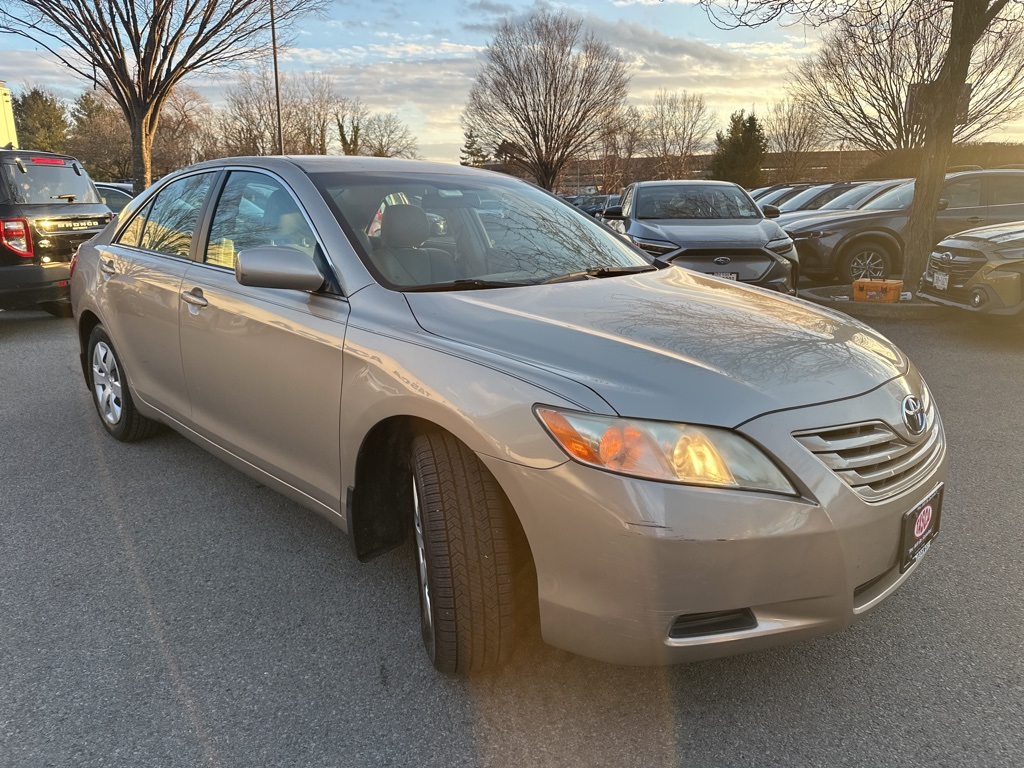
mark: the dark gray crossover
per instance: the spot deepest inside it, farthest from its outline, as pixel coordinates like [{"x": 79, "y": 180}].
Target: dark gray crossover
[{"x": 653, "y": 464}]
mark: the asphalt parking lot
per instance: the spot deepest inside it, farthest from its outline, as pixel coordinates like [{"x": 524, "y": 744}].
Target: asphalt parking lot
[{"x": 158, "y": 608}]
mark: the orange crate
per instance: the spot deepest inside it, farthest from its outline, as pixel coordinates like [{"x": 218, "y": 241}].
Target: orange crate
[{"x": 877, "y": 290}]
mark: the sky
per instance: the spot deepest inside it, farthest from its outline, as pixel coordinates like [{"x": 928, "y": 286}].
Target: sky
[{"x": 419, "y": 59}]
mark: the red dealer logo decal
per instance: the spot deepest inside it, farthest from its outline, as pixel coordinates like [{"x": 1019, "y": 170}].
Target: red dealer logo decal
[{"x": 924, "y": 519}]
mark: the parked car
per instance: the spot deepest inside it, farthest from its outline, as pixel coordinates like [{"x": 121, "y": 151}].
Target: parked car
[
  {"x": 852, "y": 199},
  {"x": 661, "y": 465},
  {"x": 115, "y": 195},
  {"x": 783, "y": 193},
  {"x": 708, "y": 226},
  {"x": 48, "y": 206},
  {"x": 869, "y": 242},
  {"x": 981, "y": 270},
  {"x": 598, "y": 208},
  {"x": 815, "y": 197}
]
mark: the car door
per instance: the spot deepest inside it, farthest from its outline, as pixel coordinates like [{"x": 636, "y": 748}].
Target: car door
[
  {"x": 965, "y": 208},
  {"x": 263, "y": 365},
  {"x": 1005, "y": 197},
  {"x": 142, "y": 271}
]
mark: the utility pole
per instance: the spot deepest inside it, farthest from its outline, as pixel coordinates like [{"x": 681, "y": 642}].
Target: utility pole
[{"x": 277, "y": 79}]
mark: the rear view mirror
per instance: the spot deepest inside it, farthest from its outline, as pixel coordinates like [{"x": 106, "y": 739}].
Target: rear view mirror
[
  {"x": 770, "y": 211},
  {"x": 612, "y": 212},
  {"x": 277, "y": 266}
]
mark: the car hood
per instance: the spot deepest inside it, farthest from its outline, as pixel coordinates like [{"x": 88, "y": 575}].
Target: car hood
[
  {"x": 673, "y": 344},
  {"x": 838, "y": 219},
  {"x": 701, "y": 233},
  {"x": 787, "y": 220},
  {"x": 995, "y": 234}
]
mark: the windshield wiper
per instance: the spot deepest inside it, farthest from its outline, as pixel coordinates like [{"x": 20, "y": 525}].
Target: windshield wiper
[
  {"x": 69, "y": 197},
  {"x": 462, "y": 285},
  {"x": 598, "y": 272}
]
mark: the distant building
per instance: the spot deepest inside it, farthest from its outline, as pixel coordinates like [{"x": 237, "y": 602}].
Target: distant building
[{"x": 8, "y": 136}]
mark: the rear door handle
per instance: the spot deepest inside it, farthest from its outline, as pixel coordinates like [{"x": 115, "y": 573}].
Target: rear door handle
[
  {"x": 196, "y": 300},
  {"x": 107, "y": 268},
  {"x": 974, "y": 219}
]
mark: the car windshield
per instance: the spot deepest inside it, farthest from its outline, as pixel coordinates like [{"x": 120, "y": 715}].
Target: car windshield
[
  {"x": 47, "y": 181},
  {"x": 900, "y": 197},
  {"x": 448, "y": 230},
  {"x": 851, "y": 198},
  {"x": 694, "y": 201},
  {"x": 797, "y": 202}
]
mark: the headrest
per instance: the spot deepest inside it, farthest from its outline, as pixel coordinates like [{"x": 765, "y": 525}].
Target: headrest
[
  {"x": 404, "y": 226},
  {"x": 279, "y": 203}
]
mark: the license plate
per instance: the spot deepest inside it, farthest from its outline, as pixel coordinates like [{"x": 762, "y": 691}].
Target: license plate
[
  {"x": 940, "y": 280},
  {"x": 727, "y": 275},
  {"x": 920, "y": 526}
]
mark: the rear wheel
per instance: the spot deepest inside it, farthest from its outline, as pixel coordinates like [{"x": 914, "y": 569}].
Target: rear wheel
[
  {"x": 110, "y": 394},
  {"x": 466, "y": 564},
  {"x": 867, "y": 259}
]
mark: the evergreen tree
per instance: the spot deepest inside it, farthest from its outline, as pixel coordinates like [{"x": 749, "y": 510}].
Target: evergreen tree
[
  {"x": 40, "y": 120},
  {"x": 738, "y": 153},
  {"x": 472, "y": 153}
]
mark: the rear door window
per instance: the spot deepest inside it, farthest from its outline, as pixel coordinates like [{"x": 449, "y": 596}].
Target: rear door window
[
  {"x": 1006, "y": 190},
  {"x": 963, "y": 194},
  {"x": 174, "y": 214}
]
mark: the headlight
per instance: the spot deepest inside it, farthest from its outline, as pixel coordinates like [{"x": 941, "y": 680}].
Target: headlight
[
  {"x": 814, "y": 234},
  {"x": 659, "y": 450},
  {"x": 1011, "y": 253},
  {"x": 783, "y": 246},
  {"x": 657, "y": 247}
]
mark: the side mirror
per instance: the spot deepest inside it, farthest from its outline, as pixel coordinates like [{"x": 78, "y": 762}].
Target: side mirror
[
  {"x": 770, "y": 211},
  {"x": 612, "y": 212},
  {"x": 277, "y": 266},
  {"x": 943, "y": 205}
]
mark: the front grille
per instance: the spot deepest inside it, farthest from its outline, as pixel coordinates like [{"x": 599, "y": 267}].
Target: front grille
[
  {"x": 963, "y": 267},
  {"x": 873, "y": 459}
]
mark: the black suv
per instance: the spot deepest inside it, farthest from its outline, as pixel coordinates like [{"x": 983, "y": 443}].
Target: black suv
[
  {"x": 48, "y": 207},
  {"x": 868, "y": 242}
]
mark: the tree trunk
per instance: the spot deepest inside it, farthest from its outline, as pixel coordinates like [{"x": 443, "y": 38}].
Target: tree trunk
[
  {"x": 940, "y": 110},
  {"x": 143, "y": 129}
]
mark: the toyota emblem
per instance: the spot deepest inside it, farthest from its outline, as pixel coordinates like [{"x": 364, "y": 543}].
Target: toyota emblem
[
  {"x": 913, "y": 415},
  {"x": 722, "y": 260}
]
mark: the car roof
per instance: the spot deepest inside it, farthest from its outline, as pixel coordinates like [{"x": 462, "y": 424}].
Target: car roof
[
  {"x": 348, "y": 164},
  {"x": 26, "y": 153},
  {"x": 695, "y": 182}
]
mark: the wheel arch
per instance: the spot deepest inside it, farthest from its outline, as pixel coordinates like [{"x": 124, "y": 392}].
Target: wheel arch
[
  {"x": 886, "y": 237},
  {"x": 86, "y": 323}
]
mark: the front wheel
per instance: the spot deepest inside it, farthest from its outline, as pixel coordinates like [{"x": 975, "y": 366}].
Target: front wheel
[
  {"x": 465, "y": 555},
  {"x": 110, "y": 394},
  {"x": 865, "y": 260}
]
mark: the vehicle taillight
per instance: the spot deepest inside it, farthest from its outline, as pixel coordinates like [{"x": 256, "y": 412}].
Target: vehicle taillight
[{"x": 15, "y": 234}]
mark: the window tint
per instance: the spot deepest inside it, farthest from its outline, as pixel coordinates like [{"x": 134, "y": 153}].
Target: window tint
[
  {"x": 253, "y": 211},
  {"x": 115, "y": 199},
  {"x": 174, "y": 214},
  {"x": 627, "y": 201},
  {"x": 963, "y": 194},
  {"x": 131, "y": 234},
  {"x": 46, "y": 180},
  {"x": 694, "y": 201},
  {"x": 1007, "y": 190}
]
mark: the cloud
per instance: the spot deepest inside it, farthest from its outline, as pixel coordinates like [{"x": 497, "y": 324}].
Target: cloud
[{"x": 487, "y": 6}]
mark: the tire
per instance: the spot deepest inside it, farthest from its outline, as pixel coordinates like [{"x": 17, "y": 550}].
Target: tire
[
  {"x": 466, "y": 543},
  {"x": 867, "y": 258},
  {"x": 57, "y": 308},
  {"x": 110, "y": 393}
]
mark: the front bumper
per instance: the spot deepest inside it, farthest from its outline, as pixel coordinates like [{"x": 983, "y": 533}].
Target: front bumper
[
  {"x": 991, "y": 292},
  {"x": 619, "y": 560},
  {"x": 27, "y": 285}
]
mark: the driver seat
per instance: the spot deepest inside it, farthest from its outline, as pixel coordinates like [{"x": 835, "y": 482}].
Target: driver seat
[{"x": 403, "y": 260}]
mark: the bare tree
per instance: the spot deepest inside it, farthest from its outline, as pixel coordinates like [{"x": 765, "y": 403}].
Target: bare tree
[
  {"x": 349, "y": 116},
  {"x": 186, "y": 134},
  {"x": 141, "y": 49},
  {"x": 385, "y": 135},
  {"x": 247, "y": 121},
  {"x": 318, "y": 102},
  {"x": 622, "y": 140},
  {"x": 859, "y": 81},
  {"x": 969, "y": 22},
  {"x": 545, "y": 89},
  {"x": 794, "y": 130},
  {"x": 678, "y": 126}
]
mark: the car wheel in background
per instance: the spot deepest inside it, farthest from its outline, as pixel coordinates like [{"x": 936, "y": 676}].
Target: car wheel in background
[
  {"x": 110, "y": 392},
  {"x": 863, "y": 260},
  {"x": 465, "y": 557}
]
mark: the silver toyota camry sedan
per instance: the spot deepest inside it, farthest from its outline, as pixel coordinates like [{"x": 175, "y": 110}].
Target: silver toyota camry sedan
[{"x": 655, "y": 465}]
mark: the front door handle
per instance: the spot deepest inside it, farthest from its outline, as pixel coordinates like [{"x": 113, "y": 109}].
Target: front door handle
[
  {"x": 974, "y": 219},
  {"x": 107, "y": 268},
  {"x": 196, "y": 300}
]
